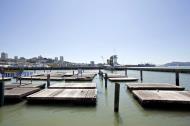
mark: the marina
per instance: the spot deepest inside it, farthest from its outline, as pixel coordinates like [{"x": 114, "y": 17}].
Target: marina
[{"x": 62, "y": 98}]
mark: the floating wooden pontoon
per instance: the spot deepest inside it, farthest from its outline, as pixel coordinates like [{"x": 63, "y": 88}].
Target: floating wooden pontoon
[
  {"x": 153, "y": 86},
  {"x": 155, "y": 98},
  {"x": 63, "y": 85},
  {"x": 120, "y": 79}
]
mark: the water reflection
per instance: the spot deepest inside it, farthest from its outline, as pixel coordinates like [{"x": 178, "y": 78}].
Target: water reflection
[{"x": 117, "y": 119}]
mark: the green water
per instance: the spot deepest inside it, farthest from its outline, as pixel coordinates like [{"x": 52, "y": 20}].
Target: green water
[{"x": 130, "y": 112}]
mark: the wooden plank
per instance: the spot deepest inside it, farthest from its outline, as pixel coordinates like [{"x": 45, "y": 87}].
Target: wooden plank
[
  {"x": 153, "y": 86},
  {"x": 63, "y": 85},
  {"x": 123, "y": 79},
  {"x": 19, "y": 93},
  {"x": 155, "y": 98},
  {"x": 43, "y": 78},
  {"x": 114, "y": 76},
  {"x": 5, "y": 79},
  {"x": 78, "y": 78},
  {"x": 34, "y": 85},
  {"x": 70, "y": 95}
]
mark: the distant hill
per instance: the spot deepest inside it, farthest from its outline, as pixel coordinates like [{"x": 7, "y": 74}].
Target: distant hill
[{"x": 177, "y": 64}]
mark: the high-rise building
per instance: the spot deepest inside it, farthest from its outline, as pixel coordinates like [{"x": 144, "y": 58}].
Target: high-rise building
[
  {"x": 92, "y": 63},
  {"x": 56, "y": 59},
  {"x": 4, "y": 56},
  {"x": 15, "y": 58},
  {"x": 61, "y": 59}
]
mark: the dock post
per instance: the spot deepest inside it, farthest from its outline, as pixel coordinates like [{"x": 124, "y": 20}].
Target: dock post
[
  {"x": 141, "y": 74},
  {"x": 106, "y": 80},
  {"x": 116, "y": 99},
  {"x": 177, "y": 78},
  {"x": 126, "y": 73},
  {"x": 2, "y": 91},
  {"x": 48, "y": 80},
  {"x": 31, "y": 79},
  {"x": 20, "y": 78},
  {"x": 73, "y": 72}
]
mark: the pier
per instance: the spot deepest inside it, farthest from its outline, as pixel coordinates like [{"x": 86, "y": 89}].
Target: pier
[
  {"x": 153, "y": 86},
  {"x": 75, "y": 96},
  {"x": 162, "y": 98},
  {"x": 63, "y": 85},
  {"x": 17, "y": 94}
]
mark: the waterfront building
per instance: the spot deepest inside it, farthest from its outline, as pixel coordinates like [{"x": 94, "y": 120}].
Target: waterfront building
[{"x": 4, "y": 56}]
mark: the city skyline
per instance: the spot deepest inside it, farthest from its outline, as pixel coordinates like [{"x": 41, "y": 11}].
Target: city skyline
[{"x": 82, "y": 31}]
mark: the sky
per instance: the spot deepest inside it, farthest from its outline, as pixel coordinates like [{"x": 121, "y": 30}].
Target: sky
[{"x": 138, "y": 31}]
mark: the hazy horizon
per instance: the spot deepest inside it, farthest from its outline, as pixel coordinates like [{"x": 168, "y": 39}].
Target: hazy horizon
[{"x": 138, "y": 31}]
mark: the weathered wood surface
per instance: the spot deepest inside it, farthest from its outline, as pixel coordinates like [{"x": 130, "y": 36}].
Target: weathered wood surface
[
  {"x": 153, "y": 86},
  {"x": 34, "y": 85},
  {"x": 114, "y": 75},
  {"x": 123, "y": 79},
  {"x": 43, "y": 78},
  {"x": 63, "y": 85},
  {"x": 19, "y": 93},
  {"x": 5, "y": 79},
  {"x": 25, "y": 85},
  {"x": 73, "y": 78},
  {"x": 155, "y": 97},
  {"x": 71, "y": 95}
]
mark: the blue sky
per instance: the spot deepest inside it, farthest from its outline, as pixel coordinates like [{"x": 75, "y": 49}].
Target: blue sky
[{"x": 138, "y": 31}]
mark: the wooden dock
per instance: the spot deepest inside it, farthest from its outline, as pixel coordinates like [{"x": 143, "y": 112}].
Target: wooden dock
[
  {"x": 82, "y": 96},
  {"x": 74, "y": 78},
  {"x": 153, "y": 86},
  {"x": 25, "y": 85},
  {"x": 123, "y": 79},
  {"x": 43, "y": 78},
  {"x": 155, "y": 98},
  {"x": 63, "y": 85},
  {"x": 114, "y": 76},
  {"x": 16, "y": 94},
  {"x": 34, "y": 85},
  {"x": 5, "y": 79}
]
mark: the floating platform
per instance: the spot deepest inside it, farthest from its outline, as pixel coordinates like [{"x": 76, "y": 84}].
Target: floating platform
[
  {"x": 43, "y": 78},
  {"x": 128, "y": 79},
  {"x": 81, "y": 96},
  {"x": 63, "y": 85},
  {"x": 148, "y": 98},
  {"x": 5, "y": 79},
  {"x": 34, "y": 85},
  {"x": 78, "y": 78},
  {"x": 25, "y": 85},
  {"x": 153, "y": 86},
  {"x": 114, "y": 76},
  {"x": 16, "y": 94}
]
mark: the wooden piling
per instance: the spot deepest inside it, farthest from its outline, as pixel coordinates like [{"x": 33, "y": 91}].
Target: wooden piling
[
  {"x": 31, "y": 79},
  {"x": 116, "y": 99},
  {"x": 73, "y": 72},
  {"x": 20, "y": 79},
  {"x": 2, "y": 91},
  {"x": 141, "y": 75},
  {"x": 106, "y": 80},
  {"x": 177, "y": 78},
  {"x": 48, "y": 80},
  {"x": 126, "y": 73}
]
